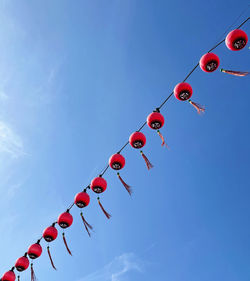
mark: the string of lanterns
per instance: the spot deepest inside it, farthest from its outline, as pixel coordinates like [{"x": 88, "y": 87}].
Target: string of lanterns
[{"x": 236, "y": 40}]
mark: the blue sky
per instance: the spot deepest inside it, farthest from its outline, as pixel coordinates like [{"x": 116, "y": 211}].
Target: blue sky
[{"x": 76, "y": 79}]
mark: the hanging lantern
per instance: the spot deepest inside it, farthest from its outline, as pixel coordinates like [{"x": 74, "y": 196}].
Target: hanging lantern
[
  {"x": 22, "y": 263},
  {"x": 9, "y": 275},
  {"x": 65, "y": 220},
  {"x": 183, "y": 91},
  {"x": 50, "y": 233},
  {"x": 209, "y": 62},
  {"x": 35, "y": 250},
  {"x": 236, "y": 40},
  {"x": 82, "y": 199},
  {"x": 155, "y": 121},
  {"x": 137, "y": 140},
  {"x": 98, "y": 185},
  {"x": 117, "y": 162}
]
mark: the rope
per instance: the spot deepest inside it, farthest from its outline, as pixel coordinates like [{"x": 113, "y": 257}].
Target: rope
[{"x": 142, "y": 126}]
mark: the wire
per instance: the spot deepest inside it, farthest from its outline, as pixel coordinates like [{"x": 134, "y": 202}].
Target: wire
[{"x": 162, "y": 104}]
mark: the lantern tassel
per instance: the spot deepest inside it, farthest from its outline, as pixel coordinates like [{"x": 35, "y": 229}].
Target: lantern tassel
[
  {"x": 149, "y": 165},
  {"x": 128, "y": 188},
  {"x": 18, "y": 278},
  {"x": 33, "y": 276},
  {"x": 86, "y": 224},
  {"x": 51, "y": 258},
  {"x": 65, "y": 243},
  {"x": 104, "y": 211},
  {"x": 235, "y": 73},
  {"x": 198, "y": 107},
  {"x": 162, "y": 138}
]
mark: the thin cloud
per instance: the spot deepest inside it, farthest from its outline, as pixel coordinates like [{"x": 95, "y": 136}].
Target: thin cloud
[
  {"x": 117, "y": 269},
  {"x": 10, "y": 142}
]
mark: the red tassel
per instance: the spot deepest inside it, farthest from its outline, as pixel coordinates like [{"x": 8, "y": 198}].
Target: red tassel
[
  {"x": 235, "y": 73},
  {"x": 129, "y": 190},
  {"x": 51, "y": 258},
  {"x": 65, "y": 243},
  {"x": 33, "y": 276},
  {"x": 104, "y": 211},
  {"x": 86, "y": 224},
  {"x": 162, "y": 138},
  {"x": 198, "y": 107},
  {"x": 149, "y": 165}
]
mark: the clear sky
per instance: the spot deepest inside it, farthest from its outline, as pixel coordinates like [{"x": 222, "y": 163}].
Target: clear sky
[{"x": 76, "y": 78}]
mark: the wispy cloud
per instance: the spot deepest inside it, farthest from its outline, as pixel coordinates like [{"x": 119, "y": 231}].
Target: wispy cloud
[
  {"x": 117, "y": 269},
  {"x": 10, "y": 142}
]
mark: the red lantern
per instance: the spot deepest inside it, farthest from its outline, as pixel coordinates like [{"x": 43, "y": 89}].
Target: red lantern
[
  {"x": 98, "y": 185},
  {"x": 9, "y": 276},
  {"x": 183, "y": 91},
  {"x": 35, "y": 250},
  {"x": 22, "y": 263},
  {"x": 117, "y": 161},
  {"x": 82, "y": 199},
  {"x": 155, "y": 120},
  {"x": 236, "y": 40},
  {"x": 50, "y": 233},
  {"x": 65, "y": 220},
  {"x": 138, "y": 140},
  {"x": 209, "y": 62}
]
